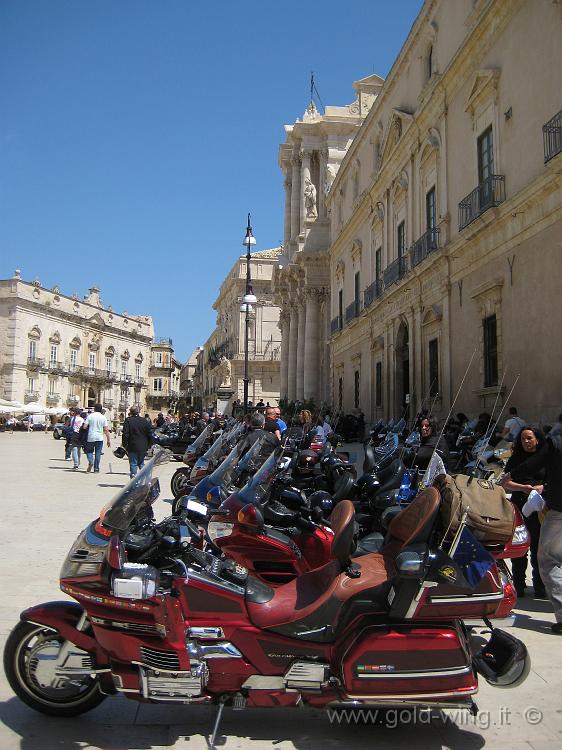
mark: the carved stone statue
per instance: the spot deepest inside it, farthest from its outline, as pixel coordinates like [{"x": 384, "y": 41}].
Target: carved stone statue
[
  {"x": 310, "y": 198},
  {"x": 330, "y": 177},
  {"x": 225, "y": 372}
]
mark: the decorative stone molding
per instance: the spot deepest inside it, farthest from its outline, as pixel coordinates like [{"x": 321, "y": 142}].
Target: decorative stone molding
[
  {"x": 356, "y": 250},
  {"x": 35, "y": 333}
]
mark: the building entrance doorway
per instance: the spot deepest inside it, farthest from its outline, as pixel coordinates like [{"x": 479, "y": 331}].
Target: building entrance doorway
[
  {"x": 91, "y": 398},
  {"x": 402, "y": 373}
]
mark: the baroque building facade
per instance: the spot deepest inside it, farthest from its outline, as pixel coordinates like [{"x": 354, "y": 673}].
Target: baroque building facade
[
  {"x": 309, "y": 159},
  {"x": 163, "y": 378},
  {"x": 221, "y": 359},
  {"x": 63, "y": 351},
  {"x": 446, "y": 221}
]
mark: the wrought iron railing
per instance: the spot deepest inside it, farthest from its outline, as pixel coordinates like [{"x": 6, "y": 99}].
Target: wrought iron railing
[
  {"x": 31, "y": 396},
  {"x": 336, "y": 324},
  {"x": 552, "y": 137},
  {"x": 424, "y": 246},
  {"x": 373, "y": 292},
  {"x": 35, "y": 362},
  {"x": 395, "y": 271},
  {"x": 53, "y": 398},
  {"x": 71, "y": 400},
  {"x": 123, "y": 405},
  {"x": 352, "y": 311},
  {"x": 56, "y": 367},
  {"x": 490, "y": 193},
  {"x": 108, "y": 403}
]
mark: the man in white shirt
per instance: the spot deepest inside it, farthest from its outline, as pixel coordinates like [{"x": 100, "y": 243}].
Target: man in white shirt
[
  {"x": 97, "y": 428},
  {"x": 513, "y": 426}
]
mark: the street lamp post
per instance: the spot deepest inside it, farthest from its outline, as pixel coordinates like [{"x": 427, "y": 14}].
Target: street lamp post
[{"x": 246, "y": 308}]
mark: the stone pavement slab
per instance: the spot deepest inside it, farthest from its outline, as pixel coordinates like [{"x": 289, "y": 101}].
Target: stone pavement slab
[{"x": 44, "y": 505}]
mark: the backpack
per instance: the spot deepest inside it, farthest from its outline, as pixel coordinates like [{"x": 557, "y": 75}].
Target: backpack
[{"x": 490, "y": 514}]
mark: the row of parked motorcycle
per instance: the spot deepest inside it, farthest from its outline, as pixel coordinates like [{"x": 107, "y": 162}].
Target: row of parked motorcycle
[{"x": 280, "y": 578}]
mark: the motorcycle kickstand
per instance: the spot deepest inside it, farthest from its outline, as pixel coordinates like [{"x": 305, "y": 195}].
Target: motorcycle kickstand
[{"x": 218, "y": 718}]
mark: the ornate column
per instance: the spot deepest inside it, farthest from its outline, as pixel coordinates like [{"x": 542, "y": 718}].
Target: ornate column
[
  {"x": 300, "y": 350},
  {"x": 418, "y": 357},
  {"x": 284, "y": 327},
  {"x": 295, "y": 197},
  {"x": 305, "y": 174},
  {"x": 311, "y": 369},
  {"x": 292, "y": 363},
  {"x": 287, "y": 221},
  {"x": 390, "y": 375},
  {"x": 323, "y": 158}
]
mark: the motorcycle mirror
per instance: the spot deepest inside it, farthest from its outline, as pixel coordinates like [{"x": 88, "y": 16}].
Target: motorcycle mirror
[{"x": 250, "y": 515}]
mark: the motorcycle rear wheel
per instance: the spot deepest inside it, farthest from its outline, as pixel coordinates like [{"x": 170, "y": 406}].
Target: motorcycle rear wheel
[
  {"x": 29, "y": 657},
  {"x": 179, "y": 482}
]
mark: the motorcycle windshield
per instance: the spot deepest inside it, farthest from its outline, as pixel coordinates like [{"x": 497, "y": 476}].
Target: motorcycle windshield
[
  {"x": 413, "y": 440},
  {"x": 226, "y": 467},
  {"x": 197, "y": 445},
  {"x": 123, "y": 508},
  {"x": 259, "y": 485},
  {"x": 399, "y": 427},
  {"x": 387, "y": 449},
  {"x": 250, "y": 461}
]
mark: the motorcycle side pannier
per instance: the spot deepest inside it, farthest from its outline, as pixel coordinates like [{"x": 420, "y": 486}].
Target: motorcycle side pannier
[{"x": 490, "y": 513}]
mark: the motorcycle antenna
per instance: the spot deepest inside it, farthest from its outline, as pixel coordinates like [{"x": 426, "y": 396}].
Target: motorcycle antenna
[
  {"x": 487, "y": 432},
  {"x": 479, "y": 456},
  {"x": 457, "y": 394}
]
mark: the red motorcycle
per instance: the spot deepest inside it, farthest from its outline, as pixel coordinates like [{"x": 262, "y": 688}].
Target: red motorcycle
[{"x": 157, "y": 619}]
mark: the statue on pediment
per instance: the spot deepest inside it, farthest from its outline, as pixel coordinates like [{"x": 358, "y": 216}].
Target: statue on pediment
[{"x": 225, "y": 372}]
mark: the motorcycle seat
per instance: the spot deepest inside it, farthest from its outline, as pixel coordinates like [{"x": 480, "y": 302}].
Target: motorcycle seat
[
  {"x": 368, "y": 544},
  {"x": 313, "y": 605}
]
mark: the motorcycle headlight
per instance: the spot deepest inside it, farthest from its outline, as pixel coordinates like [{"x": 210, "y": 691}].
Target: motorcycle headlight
[
  {"x": 135, "y": 581},
  {"x": 520, "y": 535},
  {"x": 218, "y": 529}
]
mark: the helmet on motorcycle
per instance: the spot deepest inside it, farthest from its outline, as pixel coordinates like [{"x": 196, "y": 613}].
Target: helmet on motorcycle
[
  {"x": 504, "y": 661},
  {"x": 367, "y": 485},
  {"x": 323, "y": 500}
]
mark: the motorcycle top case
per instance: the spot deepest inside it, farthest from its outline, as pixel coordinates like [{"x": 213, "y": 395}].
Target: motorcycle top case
[{"x": 429, "y": 661}]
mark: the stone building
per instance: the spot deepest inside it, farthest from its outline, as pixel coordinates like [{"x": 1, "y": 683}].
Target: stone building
[
  {"x": 228, "y": 338},
  {"x": 186, "y": 380},
  {"x": 309, "y": 159},
  {"x": 64, "y": 351},
  {"x": 163, "y": 378},
  {"x": 446, "y": 220}
]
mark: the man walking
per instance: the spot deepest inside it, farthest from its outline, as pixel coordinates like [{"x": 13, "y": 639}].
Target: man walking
[
  {"x": 76, "y": 439},
  {"x": 137, "y": 437},
  {"x": 96, "y": 422}
]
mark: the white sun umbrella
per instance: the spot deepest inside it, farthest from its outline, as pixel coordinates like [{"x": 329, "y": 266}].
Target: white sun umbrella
[
  {"x": 35, "y": 408},
  {"x": 6, "y": 409},
  {"x": 13, "y": 405}
]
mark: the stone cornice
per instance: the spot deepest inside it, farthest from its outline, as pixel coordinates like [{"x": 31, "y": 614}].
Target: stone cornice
[{"x": 75, "y": 320}]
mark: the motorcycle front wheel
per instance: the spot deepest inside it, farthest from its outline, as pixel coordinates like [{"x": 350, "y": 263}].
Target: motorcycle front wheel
[
  {"x": 179, "y": 482},
  {"x": 29, "y": 663}
]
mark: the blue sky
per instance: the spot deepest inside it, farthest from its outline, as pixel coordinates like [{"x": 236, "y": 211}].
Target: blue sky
[{"x": 135, "y": 135}]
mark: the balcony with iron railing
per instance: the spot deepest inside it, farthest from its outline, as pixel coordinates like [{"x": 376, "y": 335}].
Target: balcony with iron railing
[
  {"x": 108, "y": 403},
  {"x": 57, "y": 368},
  {"x": 490, "y": 193},
  {"x": 336, "y": 325},
  {"x": 53, "y": 398},
  {"x": 373, "y": 292},
  {"x": 123, "y": 405},
  {"x": 34, "y": 363},
  {"x": 552, "y": 137},
  {"x": 72, "y": 400},
  {"x": 29, "y": 396},
  {"x": 395, "y": 271},
  {"x": 424, "y": 246},
  {"x": 352, "y": 311},
  {"x": 163, "y": 340}
]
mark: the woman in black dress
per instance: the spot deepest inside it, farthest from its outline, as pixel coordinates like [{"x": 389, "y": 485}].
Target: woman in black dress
[{"x": 529, "y": 440}]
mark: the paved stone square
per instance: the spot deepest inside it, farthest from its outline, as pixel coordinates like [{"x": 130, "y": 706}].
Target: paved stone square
[{"x": 43, "y": 507}]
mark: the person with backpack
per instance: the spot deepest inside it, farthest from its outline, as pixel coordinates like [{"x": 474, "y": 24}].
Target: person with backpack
[{"x": 513, "y": 426}]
